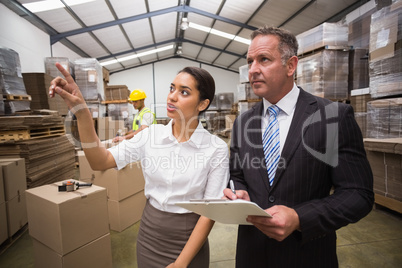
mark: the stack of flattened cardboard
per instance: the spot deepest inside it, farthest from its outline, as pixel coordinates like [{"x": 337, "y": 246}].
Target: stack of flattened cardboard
[
  {"x": 46, "y": 159},
  {"x": 69, "y": 229}
]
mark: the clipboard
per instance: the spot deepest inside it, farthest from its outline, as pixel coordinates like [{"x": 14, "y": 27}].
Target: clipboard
[{"x": 224, "y": 210}]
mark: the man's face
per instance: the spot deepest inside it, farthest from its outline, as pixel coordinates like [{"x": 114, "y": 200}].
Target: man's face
[
  {"x": 268, "y": 77},
  {"x": 138, "y": 104}
]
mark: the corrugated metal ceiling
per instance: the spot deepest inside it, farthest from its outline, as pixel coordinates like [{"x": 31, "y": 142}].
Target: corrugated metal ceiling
[{"x": 112, "y": 29}]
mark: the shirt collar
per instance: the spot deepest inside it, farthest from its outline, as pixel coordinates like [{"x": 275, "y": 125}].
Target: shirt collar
[
  {"x": 195, "y": 139},
  {"x": 287, "y": 103}
]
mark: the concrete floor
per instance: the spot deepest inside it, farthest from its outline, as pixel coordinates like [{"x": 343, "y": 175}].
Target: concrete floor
[{"x": 375, "y": 241}]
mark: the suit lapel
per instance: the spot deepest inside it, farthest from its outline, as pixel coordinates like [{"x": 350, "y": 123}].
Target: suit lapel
[{"x": 305, "y": 106}]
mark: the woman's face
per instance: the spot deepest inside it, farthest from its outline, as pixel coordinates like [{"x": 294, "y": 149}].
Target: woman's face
[{"x": 183, "y": 101}]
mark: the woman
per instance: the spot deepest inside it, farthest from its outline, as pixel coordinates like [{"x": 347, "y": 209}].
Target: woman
[{"x": 180, "y": 161}]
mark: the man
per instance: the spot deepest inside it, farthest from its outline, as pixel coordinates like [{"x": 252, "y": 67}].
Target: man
[
  {"x": 319, "y": 180},
  {"x": 142, "y": 119}
]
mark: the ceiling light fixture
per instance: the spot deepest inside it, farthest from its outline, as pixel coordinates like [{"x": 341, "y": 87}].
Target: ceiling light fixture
[
  {"x": 46, "y": 5},
  {"x": 184, "y": 24},
  {"x": 138, "y": 55},
  {"x": 179, "y": 50},
  {"x": 219, "y": 33}
]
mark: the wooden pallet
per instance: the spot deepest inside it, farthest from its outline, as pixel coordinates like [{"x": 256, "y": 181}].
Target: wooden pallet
[
  {"x": 12, "y": 97},
  {"x": 390, "y": 203},
  {"x": 114, "y": 101},
  {"x": 319, "y": 49},
  {"x": 32, "y": 133}
]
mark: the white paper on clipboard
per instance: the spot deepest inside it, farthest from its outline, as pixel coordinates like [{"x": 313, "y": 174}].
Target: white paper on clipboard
[{"x": 223, "y": 210}]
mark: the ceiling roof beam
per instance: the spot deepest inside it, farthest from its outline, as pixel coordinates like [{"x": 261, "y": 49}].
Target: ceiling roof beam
[
  {"x": 57, "y": 37},
  {"x": 173, "y": 57},
  {"x": 176, "y": 40}
]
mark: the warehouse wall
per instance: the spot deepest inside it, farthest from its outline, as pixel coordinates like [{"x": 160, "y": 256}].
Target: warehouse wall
[
  {"x": 29, "y": 42},
  {"x": 155, "y": 80}
]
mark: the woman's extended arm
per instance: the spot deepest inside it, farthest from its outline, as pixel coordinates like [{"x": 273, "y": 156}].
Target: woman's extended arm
[{"x": 98, "y": 157}]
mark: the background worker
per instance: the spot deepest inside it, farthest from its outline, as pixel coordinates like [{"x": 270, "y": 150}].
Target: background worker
[{"x": 144, "y": 118}]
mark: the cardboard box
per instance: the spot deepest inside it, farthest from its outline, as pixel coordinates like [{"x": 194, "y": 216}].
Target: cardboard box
[
  {"x": 123, "y": 183},
  {"x": 16, "y": 214},
  {"x": 359, "y": 102},
  {"x": 107, "y": 128},
  {"x": 116, "y": 92},
  {"x": 96, "y": 253},
  {"x": 3, "y": 223},
  {"x": 14, "y": 177},
  {"x": 126, "y": 212},
  {"x": 229, "y": 120},
  {"x": 385, "y": 157},
  {"x": 86, "y": 172},
  {"x": 326, "y": 34},
  {"x": 65, "y": 221},
  {"x": 2, "y": 197}
]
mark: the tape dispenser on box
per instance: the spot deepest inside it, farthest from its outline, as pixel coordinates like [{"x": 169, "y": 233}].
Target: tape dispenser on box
[{"x": 71, "y": 185}]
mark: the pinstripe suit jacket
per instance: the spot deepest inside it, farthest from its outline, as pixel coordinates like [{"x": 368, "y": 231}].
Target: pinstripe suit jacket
[{"x": 323, "y": 151}]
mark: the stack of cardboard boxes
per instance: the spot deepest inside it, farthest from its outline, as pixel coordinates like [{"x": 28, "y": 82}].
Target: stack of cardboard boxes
[
  {"x": 69, "y": 229},
  {"x": 385, "y": 156},
  {"x": 323, "y": 67},
  {"x": 13, "y": 214},
  {"x": 125, "y": 191}
]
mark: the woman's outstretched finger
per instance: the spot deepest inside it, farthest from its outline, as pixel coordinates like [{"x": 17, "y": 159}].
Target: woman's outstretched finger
[{"x": 65, "y": 73}]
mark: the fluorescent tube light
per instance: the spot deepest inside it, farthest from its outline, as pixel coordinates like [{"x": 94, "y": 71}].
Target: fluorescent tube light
[
  {"x": 219, "y": 33},
  {"x": 138, "y": 55},
  {"x": 46, "y": 5}
]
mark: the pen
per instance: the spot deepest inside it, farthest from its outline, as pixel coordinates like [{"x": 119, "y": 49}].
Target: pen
[{"x": 232, "y": 187}]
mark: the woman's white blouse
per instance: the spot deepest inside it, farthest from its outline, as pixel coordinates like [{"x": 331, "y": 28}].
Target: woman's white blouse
[{"x": 173, "y": 171}]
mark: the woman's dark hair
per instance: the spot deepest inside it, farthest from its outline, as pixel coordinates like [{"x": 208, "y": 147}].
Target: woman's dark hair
[{"x": 205, "y": 83}]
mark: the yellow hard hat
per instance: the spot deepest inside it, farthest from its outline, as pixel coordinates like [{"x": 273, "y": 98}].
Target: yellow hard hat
[{"x": 137, "y": 94}]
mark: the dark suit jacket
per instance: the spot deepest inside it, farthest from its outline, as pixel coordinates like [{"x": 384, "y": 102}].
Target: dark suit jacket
[{"x": 323, "y": 151}]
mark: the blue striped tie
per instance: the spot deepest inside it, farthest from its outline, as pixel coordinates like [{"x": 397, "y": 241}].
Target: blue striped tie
[{"x": 271, "y": 143}]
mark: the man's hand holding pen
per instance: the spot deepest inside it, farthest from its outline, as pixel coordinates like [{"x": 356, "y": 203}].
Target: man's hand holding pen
[
  {"x": 232, "y": 194},
  {"x": 284, "y": 221}
]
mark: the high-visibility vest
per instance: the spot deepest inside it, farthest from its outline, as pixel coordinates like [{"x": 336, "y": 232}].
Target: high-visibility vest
[{"x": 138, "y": 118}]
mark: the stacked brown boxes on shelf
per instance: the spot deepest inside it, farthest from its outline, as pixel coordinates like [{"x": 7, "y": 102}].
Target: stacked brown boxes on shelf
[
  {"x": 323, "y": 61},
  {"x": 245, "y": 93},
  {"x": 386, "y": 51},
  {"x": 3, "y": 211},
  {"x": 89, "y": 78},
  {"x": 37, "y": 85},
  {"x": 359, "y": 40},
  {"x": 215, "y": 116},
  {"x": 13, "y": 213},
  {"x": 384, "y": 110},
  {"x": 117, "y": 105},
  {"x": 69, "y": 229},
  {"x": 385, "y": 156},
  {"x": 116, "y": 93},
  {"x": 14, "y": 97},
  {"x": 125, "y": 191},
  {"x": 57, "y": 103},
  {"x": 108, "y": 128}
]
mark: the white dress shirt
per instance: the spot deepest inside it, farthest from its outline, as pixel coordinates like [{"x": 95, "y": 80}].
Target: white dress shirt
[
  {"x": 287, "y": 108},
  {"x": 173, "y": 171}
]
